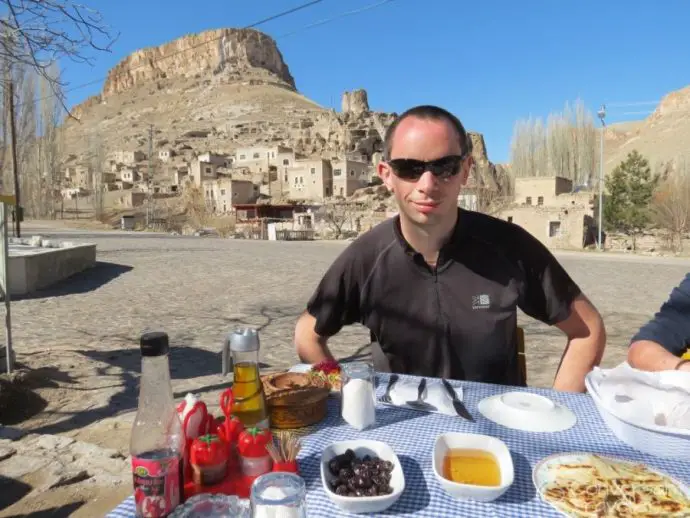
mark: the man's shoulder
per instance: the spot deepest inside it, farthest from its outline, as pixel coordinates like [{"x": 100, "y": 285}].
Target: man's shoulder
[
  {"x": 496, "y": 233},
  {"x": 366, "y": 249}
]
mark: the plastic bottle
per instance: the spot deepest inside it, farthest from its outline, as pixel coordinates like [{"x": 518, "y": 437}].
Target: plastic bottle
[{"x": 157, "y": 440}]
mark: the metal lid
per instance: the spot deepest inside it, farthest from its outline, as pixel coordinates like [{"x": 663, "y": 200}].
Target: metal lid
[{"x": 244, "y": 339}]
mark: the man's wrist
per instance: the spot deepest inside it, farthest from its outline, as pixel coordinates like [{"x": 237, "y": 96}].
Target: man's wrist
[{"x": 683, "y": 366}]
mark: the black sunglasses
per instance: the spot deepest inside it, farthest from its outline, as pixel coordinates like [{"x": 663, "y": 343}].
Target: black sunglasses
[{"x": 442, "y": 168}]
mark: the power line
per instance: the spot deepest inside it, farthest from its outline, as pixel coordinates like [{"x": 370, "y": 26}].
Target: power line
[
  {"x": 152, "y": 62},
  {"x": 336, "y": 17}
]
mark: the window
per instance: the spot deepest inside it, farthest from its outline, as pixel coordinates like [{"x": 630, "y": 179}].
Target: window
[
  {"x": 256, "y": 155},
  {"x": 222, "y": 192},
  {"x": 540, "y": 200},
  {"x": 336, "y": 172},
  {"x": 242, "y": 157},
  {"x": 286, "y": 177},
  {"x": 208, "y": 170},
  {"x": 528, "y": 200},
  {"x": 328, "y": 191},
  {"x": 286, "y": 161},
  {"x": 554, "y": 228},
  {"x": 510, "y": 219},
  {"x": 352, "y": 173},
  {"x": 313, "y": 170},
  {"x": 273, "y": 154}
]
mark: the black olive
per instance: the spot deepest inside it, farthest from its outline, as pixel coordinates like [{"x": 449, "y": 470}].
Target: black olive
[
  {"x": 350, "y": 454},
  {"x": 359, "y": 492},
  {"x": 351, "y": 493},
  {"x": 366, "y": 458},
  {"x": 372, "y": 491},
  {"x": 334, "y": 466},
  {"x": 344, "y": 474},
  {"x": 388, "y": 465},
  {"x": 341, "y": 490}
]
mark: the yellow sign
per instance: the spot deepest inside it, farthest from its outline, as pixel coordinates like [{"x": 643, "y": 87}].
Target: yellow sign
[{"x": 8, "y": 199}]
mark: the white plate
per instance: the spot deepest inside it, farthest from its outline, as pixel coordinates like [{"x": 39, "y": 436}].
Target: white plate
[
  {"x": 540, "y": 473},
  {"x": 207, "y": 505},
  {"x": 527, "y": 412}
]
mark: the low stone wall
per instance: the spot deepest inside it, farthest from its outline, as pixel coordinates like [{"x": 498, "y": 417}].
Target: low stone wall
[{"x": 36, "y": 263}]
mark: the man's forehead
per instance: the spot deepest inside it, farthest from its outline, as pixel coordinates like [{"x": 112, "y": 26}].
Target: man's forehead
[{"x": 412, "y": 130}]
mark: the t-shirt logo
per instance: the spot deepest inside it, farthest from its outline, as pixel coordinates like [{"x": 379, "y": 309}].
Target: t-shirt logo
[{"x": 480, "y": 301}]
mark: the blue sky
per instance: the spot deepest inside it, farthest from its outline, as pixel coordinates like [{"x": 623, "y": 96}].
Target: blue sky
[{"x": 490, "y": 63}]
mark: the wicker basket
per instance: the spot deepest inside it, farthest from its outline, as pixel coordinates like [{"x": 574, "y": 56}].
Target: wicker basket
[{"x": 294, "y": 400}]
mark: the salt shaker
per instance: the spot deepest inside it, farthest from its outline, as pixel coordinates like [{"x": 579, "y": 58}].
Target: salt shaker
[{"x": 358, "y": 401}]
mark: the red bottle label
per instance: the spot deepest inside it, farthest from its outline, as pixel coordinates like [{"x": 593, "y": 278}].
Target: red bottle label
[{"x": 156, "y": 486}]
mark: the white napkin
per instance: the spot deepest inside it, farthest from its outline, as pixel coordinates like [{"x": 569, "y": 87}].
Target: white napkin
[
  {"x": 435, "y": 394},
  {"x": 646, "y": 398}
]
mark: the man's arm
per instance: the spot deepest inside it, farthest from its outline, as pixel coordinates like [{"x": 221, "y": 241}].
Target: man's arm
[
  {"x": 659, "y": 344},
  {"x": 585, "y": 347},
  {"x": 311, "y": 347},
  {"x": 550, "y": 295},
  {"x": 334, "y": 304}
]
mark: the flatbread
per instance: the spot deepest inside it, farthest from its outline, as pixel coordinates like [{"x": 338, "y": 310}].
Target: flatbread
[{"x": 599, "y": 487}]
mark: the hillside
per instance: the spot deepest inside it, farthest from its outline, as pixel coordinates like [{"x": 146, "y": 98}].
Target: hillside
[
  {"x": 662, "y": 137},
  {"x": 217, "y": 91}
]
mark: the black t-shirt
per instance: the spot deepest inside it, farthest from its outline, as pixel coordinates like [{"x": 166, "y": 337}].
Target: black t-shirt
[{"x": 457, "y": 320}]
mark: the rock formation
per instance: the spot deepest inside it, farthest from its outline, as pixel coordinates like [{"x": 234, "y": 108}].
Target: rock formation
[
  {"x": 230, "y": 51},
  {"x": 355, "y": 102}
]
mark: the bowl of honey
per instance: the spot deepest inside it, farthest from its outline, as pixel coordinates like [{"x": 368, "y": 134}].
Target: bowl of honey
[{"x": 472, "y": 466}]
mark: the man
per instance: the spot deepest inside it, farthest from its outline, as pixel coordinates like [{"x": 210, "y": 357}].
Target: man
[
  {"x": 439, "y": 286},
  {"x": 660, "y": 343}
]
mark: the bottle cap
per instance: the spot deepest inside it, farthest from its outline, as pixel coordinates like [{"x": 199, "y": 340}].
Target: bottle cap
[
  {"x": 154, "y": 343},
  {"x": 245, "y": 339}
]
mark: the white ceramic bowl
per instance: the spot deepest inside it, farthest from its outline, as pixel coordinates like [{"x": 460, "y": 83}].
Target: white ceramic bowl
[
  {"x": 363, "y": 504},
  {"x": 471, "y": 441},
  {"x": 527, "y": 412}
]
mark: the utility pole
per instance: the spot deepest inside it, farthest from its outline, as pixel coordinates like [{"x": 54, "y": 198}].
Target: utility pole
[
  {"x": 602, "y": 115},
  {"x": 148, "y": 179},
  {"x": 15, "y": 166},
  {"x": 268, "y": 166}
]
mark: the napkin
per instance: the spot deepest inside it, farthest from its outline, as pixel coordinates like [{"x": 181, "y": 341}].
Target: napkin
[
  {"x": 646, "y": 398},
  {"x": 406, "y": 390}
]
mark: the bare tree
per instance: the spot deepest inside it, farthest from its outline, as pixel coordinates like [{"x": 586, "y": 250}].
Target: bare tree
[
  {"x": 339, "y": 217},
  {"x": 671, "y": 204},
  {"x": 96, "y": 163},
  {"x": 565, "y": 147},
  {"x": 38, "y": 33}
]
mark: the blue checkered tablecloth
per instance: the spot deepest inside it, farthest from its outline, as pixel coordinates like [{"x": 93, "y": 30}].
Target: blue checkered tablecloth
[{"x": 411, "y": 434}]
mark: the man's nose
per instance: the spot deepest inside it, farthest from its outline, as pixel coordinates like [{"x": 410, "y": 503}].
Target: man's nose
[{"x": 427, "y": 182}]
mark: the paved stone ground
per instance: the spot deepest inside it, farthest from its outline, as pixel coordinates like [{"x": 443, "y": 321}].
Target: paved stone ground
[{"x": 80, "y": 338}]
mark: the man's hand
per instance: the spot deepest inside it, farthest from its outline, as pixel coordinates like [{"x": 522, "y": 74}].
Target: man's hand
[
  {"x": 586, "y": 342},
  {"x": 651, "y": 356},
  {"x": 311, "y": 347}
]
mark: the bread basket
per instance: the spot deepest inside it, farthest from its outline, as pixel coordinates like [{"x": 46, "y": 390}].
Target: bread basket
[{"x": 294, "y": 400}]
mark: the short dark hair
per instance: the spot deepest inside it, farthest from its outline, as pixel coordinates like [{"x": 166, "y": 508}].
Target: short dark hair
[{"x": 427, "y": 112}]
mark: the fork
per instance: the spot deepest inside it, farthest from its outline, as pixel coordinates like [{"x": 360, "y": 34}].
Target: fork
[
  {"x": 419, "y": 404},
  {"x": 386, "y": 398}
]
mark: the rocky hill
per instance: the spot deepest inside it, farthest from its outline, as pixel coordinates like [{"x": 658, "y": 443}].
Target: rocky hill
[
  {"x": 662, "y": 137},
  {"x": 216, "y": 91}
]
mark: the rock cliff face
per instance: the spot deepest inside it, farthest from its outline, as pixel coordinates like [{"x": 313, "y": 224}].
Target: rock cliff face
[{"x": 234, "y": 52}]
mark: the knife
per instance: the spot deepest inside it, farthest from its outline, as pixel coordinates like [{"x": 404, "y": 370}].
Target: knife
[{"x": 458, "y": 405}]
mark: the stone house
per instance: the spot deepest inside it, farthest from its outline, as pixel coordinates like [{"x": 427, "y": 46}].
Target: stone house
[
  {"x": 129, "y": 175},
  {"x": 310, "y": 179},
  {"x": 215, "y": 159},
  {"x": 349, "y": 175},
  {"x": 128, "y": 157},
  {"x": 222, "y": 193},
  {"x": 553, "y": 212},
  {"x": 165, "y": 155},
  {"x": 261, "y": 159},
  {"x": 200, "y": 172}
]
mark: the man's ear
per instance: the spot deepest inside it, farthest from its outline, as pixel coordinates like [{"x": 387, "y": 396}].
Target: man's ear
[
  {"x": 466, "y": 168},
  {"x": 385, "y": 173}
]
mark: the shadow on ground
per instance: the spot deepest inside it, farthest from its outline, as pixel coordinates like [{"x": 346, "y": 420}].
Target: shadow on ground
[
  {"x": 12, "y": 491},
  {"x": 54, "y": 512},
  {"x": 83, "y": 282}
]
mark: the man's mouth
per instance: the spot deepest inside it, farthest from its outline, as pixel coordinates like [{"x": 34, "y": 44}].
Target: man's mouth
[{"x": 426, "y": 206}]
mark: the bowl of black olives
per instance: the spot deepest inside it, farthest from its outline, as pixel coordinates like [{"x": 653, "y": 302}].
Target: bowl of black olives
[{"x": 362, "y": 476}]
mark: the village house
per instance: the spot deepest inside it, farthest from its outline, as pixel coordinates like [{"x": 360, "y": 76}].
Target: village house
[
  {"x": 222, "y": 193},
  {"x": 553, "y": 212},
  {"x": 128, "y": 157},
  {"x": 129, "y": 175},
  {"x": 199, "y": 172},
  {"x": 310, "y": 179},
  {"x": 165, "y": 155},
  {"x": 215, "y": 159},
  {"x": 349, "y": 175},
  {"x": 262, "y": 159}
]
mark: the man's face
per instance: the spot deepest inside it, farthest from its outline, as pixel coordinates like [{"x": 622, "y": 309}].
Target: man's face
[{"x": 428, "y": 200}]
